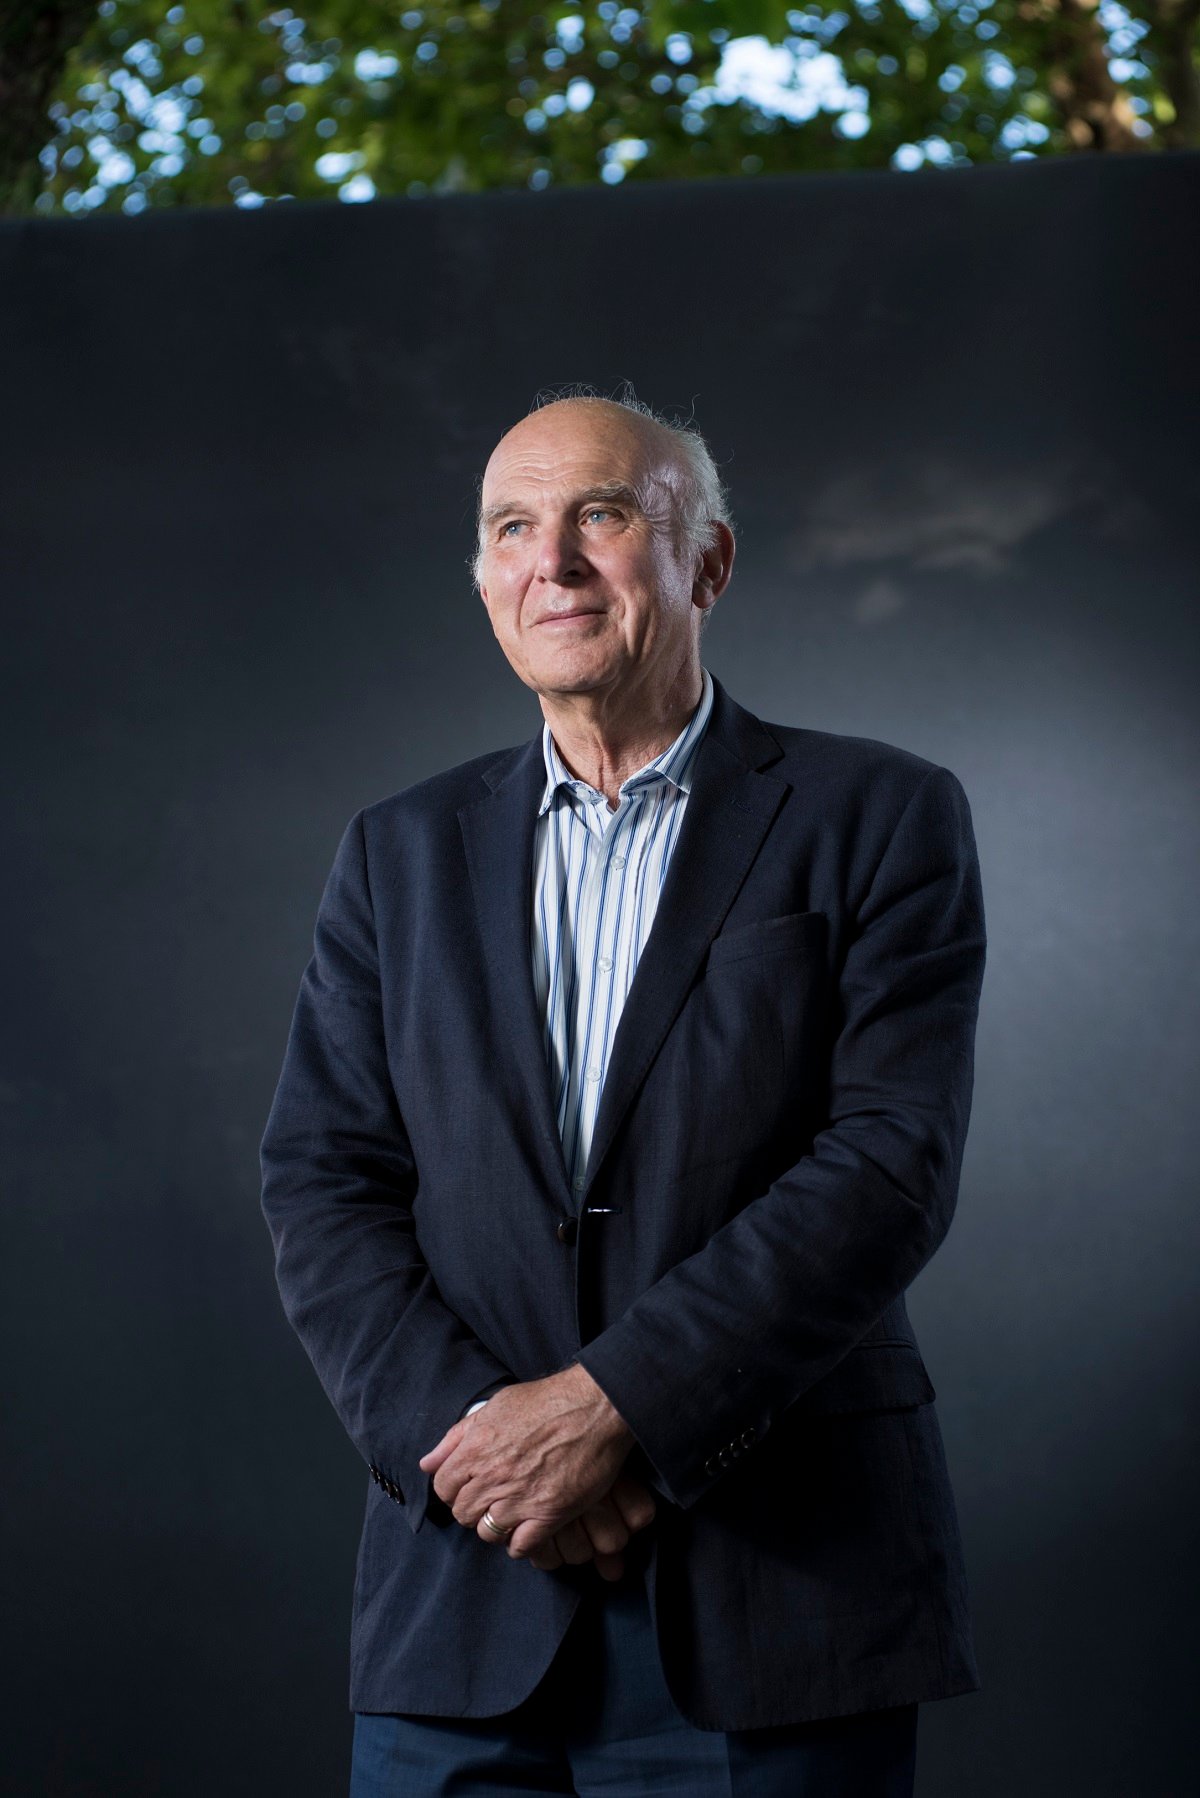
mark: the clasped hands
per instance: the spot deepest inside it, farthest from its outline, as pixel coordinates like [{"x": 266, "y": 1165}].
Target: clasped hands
[{"x": 544, "y": 1458}]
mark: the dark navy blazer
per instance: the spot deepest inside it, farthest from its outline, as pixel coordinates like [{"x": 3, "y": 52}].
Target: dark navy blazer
[{"x": 776, "y": 1157}]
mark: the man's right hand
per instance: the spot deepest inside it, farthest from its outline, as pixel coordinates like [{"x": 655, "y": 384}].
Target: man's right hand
[{"x": 601, "y": 1532}]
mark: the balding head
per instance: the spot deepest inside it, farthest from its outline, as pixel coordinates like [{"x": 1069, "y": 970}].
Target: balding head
[{"x": 654, "y": 443}]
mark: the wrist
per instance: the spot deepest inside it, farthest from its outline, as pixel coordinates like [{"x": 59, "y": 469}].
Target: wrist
[{"x": 608, "y": 1419}]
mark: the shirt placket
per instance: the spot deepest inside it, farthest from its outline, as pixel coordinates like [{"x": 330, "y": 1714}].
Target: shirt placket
[{"x": 608, "y": 830}]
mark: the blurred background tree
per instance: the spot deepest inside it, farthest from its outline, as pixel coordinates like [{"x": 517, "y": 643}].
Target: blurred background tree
[{"x": 128, "y": 104}]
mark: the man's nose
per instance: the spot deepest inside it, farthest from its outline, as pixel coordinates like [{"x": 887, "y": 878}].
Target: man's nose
[{"x": 560, "y": 553}]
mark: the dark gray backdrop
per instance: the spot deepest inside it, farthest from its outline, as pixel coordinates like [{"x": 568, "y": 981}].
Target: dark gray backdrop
[{"x": 957, "y": 412}]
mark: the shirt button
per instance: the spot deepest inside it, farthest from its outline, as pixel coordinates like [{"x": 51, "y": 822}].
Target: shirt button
[
  {"x": 605, "y": 963},
  {"x": 593, "y": 1073},
  {"x": 578, "y": 1183},
  {"x": 618, "y": 861}
]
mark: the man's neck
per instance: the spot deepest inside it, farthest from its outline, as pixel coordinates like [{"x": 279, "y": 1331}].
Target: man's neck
[{"x": 604, "y": 751}]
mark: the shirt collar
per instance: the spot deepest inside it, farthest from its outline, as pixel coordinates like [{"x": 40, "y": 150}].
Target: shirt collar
[{"x": 674, "y": 764}]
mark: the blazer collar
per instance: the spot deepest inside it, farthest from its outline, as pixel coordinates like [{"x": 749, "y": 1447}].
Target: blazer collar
[{"x": 730, "y": 809}]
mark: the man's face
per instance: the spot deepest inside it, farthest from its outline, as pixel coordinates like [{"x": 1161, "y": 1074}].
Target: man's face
[{"x": 581, "y": 576}]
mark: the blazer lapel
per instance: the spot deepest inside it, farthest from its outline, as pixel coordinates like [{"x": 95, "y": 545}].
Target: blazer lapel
[
  {"x": 730, "y": 809},
  {"x": 498, "y": 837}
]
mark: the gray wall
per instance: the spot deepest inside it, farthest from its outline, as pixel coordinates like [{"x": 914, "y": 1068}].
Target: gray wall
[{"x": 957, "y": 412}]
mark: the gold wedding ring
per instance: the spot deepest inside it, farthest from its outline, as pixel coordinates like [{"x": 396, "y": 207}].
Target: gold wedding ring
[{"x": 490, "y": 1523}]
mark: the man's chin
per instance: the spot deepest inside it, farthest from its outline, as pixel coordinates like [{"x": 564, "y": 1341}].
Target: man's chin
[{"x": 573, "y": 673}]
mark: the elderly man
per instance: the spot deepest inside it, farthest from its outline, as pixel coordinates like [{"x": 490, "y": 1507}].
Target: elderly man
[{"x": 625, "y": 1096}]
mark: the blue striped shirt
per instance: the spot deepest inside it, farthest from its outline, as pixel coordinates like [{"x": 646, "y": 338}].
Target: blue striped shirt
[{"x": 597, "y": 875}]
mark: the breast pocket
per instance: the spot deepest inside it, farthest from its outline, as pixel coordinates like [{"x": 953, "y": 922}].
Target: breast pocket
[
  {"x": 745, "y": 1060},
  {"x": 792, "y": 933}
]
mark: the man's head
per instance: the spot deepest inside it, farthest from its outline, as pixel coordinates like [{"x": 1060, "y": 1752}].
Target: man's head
[{"x": 600, "y": 511}]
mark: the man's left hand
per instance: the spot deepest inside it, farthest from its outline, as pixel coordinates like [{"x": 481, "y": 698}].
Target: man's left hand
[{"x": 539, "y": 1453}]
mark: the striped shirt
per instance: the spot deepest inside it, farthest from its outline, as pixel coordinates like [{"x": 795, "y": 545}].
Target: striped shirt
[{"x": 597, "y": 875}]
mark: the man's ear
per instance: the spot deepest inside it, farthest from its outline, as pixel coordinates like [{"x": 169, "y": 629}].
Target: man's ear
[{"x": 715, "y": 565}]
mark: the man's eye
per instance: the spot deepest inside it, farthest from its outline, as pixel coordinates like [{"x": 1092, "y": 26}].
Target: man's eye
[
  {"x": 603, "y": 511},
  {"x": 510, "y": 526}
]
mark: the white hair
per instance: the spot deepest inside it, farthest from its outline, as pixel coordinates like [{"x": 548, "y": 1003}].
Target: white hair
[{"x": 699, "y": 497}]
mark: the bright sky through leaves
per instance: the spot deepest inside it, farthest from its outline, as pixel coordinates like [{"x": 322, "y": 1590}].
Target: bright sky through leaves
[{"x": 183, "y": 105}]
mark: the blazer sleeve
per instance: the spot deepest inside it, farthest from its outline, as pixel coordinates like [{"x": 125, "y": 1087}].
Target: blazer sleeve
[
  {"x": 728, "y": 1338},
  {"x": 338, "y": 1179}
]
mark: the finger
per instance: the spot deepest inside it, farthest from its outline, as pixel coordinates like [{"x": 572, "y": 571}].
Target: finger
[
  {"x": 605, "y": 1527},
  {"x": 432, "y": 1459},
  {"x": 484, "y": 1533},
  {"x": 530, "y": 1534},
  {"x": 633, "y": 1500},
  {"x": 573, "y": 1543},
  {"x": 610, "y": 1567},
  {"x": 469, "y": 1495},
  {"x": 546, "y": 1556}
]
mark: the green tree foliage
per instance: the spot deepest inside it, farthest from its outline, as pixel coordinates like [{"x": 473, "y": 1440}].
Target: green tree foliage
[{"x": 134, "y": 104}]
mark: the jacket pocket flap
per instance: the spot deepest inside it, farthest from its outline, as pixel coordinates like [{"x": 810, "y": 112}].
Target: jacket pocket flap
[
  {"x": 770, "y": 936},
  {"x": 885, "y": 1376}
]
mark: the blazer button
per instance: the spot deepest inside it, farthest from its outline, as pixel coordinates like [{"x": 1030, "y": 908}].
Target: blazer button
[{"x": 568, "y": 1229}]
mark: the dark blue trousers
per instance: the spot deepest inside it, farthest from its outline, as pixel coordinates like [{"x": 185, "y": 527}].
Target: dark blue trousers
[{"x": 603, "y": 1721}]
